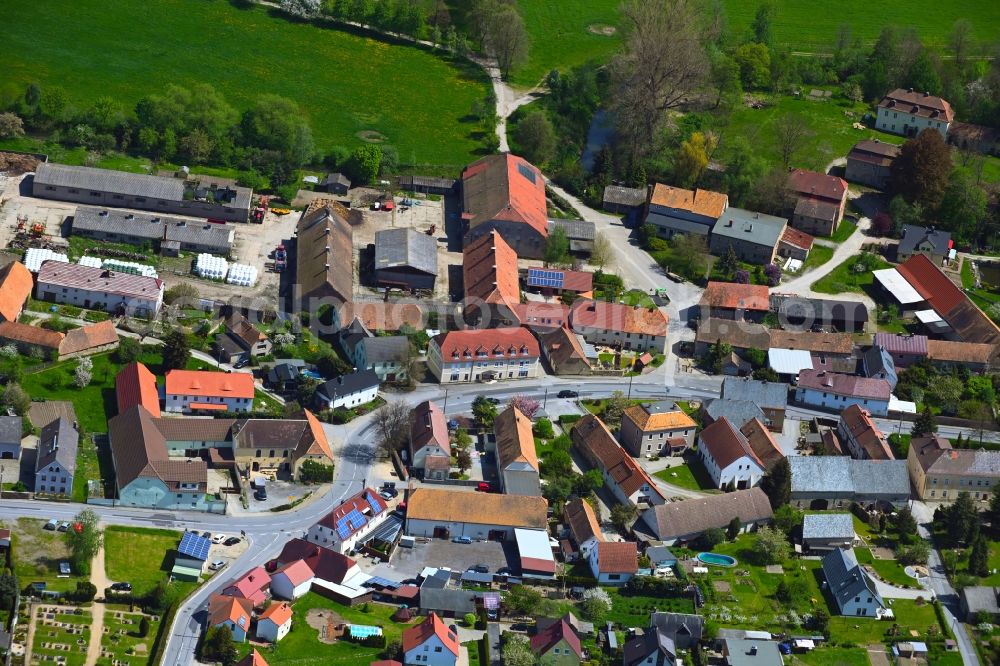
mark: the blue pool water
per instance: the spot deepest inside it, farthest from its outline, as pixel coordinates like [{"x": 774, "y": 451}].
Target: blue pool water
[
  {"x": 717, "y": 560},
  {"x": 312, "y": 374}
]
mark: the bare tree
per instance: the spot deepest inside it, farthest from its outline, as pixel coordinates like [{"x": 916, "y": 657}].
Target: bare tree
[
  {"x": 793, "y": 133},
  {"x": 960, "y": 41},
  {"x": 392, "y": 422},
  {"x": 603, "y": 254},
  {"x": 662, "y": 66},
  {"x": 507, "y": 38}
]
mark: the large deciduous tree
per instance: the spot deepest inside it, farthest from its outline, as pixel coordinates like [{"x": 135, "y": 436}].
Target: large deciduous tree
[
  {"x": 392, "y": 423},
  {"x": 777, "y": 484},
  {"x": 507, "y": 38},
  {"x": 85, "y": 538},
  {"x": 176, "y": 350},
  {"x": 276, "y": 123},
  {"x": 536, "y": 137},
  {"x": 663, "y": 65},
  {"x": 920, "y": 173}
]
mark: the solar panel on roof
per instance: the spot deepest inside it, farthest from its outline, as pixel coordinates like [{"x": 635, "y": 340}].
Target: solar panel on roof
[
  {"x": 194, "y": 546},
  {"x": 526, "y": 172},
  {"x": 350, "y": 523},
  {"x": 539, "y": 277},
  {"x": 381, "y": 582},
  {"x": 373, "y": 503}
]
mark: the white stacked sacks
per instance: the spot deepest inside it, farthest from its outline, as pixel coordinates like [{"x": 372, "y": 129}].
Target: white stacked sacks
[
  {"x": 211, "y": 267},
  {"x": 36, "y": 256},
  {"x": 92, "y": 262},
  {"x": 242, "y": 275},
  {"x": 129, "y": 267}
]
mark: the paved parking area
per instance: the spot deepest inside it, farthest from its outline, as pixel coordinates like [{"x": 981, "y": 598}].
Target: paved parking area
[{"x": 408, "y": 562}]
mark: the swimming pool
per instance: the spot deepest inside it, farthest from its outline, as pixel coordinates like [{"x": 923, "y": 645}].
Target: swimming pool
[{"x": 717, "y": 560}]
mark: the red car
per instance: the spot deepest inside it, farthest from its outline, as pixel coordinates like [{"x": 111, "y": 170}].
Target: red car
[{"x": 484, "y": 487}]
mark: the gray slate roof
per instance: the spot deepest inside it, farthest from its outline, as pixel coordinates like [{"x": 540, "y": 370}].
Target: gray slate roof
[
  {"x": 750, "y": 652},
  {"x": 877, "y": 360},
  {"x": 106, "y": 180},
  {"x": 771, "y": 395},
  {"x": 739, "y": 412},
  {"x": 404, "y": 247},
  {"x": 678, "y": 224},
  {"x": 827, "y": 526},
  {"x": 982, "y": 598},
  {"x": 675, "y": 624},
  {"x": 914, "y": 235},
  {"x": 447, "y": 600},
  {"x": 382, "y": 349},
  {"x": 624, "y": 196},
  {"x": 58, "y": 442},
  {"x": 348, "y": 384},
  {"x": 575, "y": 229},
  {"x": 747, "y": 225},
  {"x": 219, "y": 236},
  {"x": 121, "y": 222},
  {"x": 10, "y": 429},
  {"x": 843, "y": 475},
  {"x": 693, "y": 516},
  {"x": 846, "y": 579}
]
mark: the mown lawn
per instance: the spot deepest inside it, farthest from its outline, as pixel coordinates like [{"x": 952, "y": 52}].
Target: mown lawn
[
  {"x": 345, "y": 84},
  {"x": 844, "y": 231},
  {"x": 832, "y": 657},
  {"x": 141, "y": 556},
  {"x": 37, "y": 554},
  {"x": 66, "y": 643},
  {"x": 797, "y": 24},
  {"x": 565, "y": 34},
  {"x": 843, "y": 278},
  {"x": 890, "y": 571},
  {"x": 818, "y": 255},
  {"x": 633, "y": 611},
  {"x": 302, "y": 646},
  {"x": 691, "y": 475}
]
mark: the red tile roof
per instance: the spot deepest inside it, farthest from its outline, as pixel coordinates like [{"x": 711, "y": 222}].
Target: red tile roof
[
  {"x": 204, "y": 383},
  {"x": 428, "y": 427},
  {"x": 297, "y": 572},
  {"x": 796, "y": 238},
  {"x": 549, "y": 637},
  {"x": 732, "y": 296},
  {"x": 846, "y": 385},
  {"x": 582, "y": 520},
  {"x": 858, "y": 423},
  {"x": 252, "y": 659},
  {"x": 948, "y": 300},
  {"x": 324, "y": 563},
  {"x": 587, "y": 313},
  {"x": 253, "y": 586},
  {"x": 89, "y": 337},
  {"x": 223, "y": 608},
  {"x": 510, "y": 342},
  {"x": 726, "y": 444},
  {"x": 918, "y": 104},
  {"x": 597, "y": 443},
  {"x": 136, "y": 385},
  {"x": 431, "y": 626},
  {"x": 279, "y": 613},
  {"x": 36, "y": 336},
  {"x": 762, "y": 443},
  {"x": 367, "y": 503},
  {"x": 699, "y": 202},
  {"x": 15, "y": 288},
  {"x": 489, "y": 270},
  {"x": 617, "y": 557},
  {"x": 534, "y": 314},
  {"x": 815, "y": 185},
  {"x": 505, "y": 187}
]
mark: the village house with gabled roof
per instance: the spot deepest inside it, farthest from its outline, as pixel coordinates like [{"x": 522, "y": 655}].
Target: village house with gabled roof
[
  {"x": 557, "y": 645},
  {"x": 430, "y": 445},
  {"x": 727, "y": 456},
  {"x": 976, "y": 356},
  {"x": 252, "y": 659},
  {"x": 870, "y": 163},
  {"x": 241, "y": 340},
  {"x": 734, "y": 301},
  {"x": 430, "y": 643},
  {"x": 614, "y": 562},
  {"x": 935, "y": 244},
  {"x": 627, "y": 481},
  {"x": 205, "y": 390},
  {"x": 820, "y": 200},
  {"x": 99, "y": 289},
  {"x": 324, "y": 268},
  {"x": 864, "y": 440},
  {"x": 657, "y": 429},
  {"x": 853, "y": 590},
  {"x": 254, "y": 585},
  {"x": 907, "y": 112},
  {"x": 435, "y": 512},
  {"x": 492, "y": 289},
  {"x": 346, "y": 526},
  {"x": 405, "y": 259},
  {"x": 762, "y": 443},
  {"x": 517, "y": 461},
  {"x": 16, "y": 284},
  {"x": 564, "y": 351},
  {"x": 837, "y": 391},
  {"x": 674, "y": 210},
  {"x": 826, "y": 482},
  {"x": 754, "y": 237},
  {"x": 55, "y": 457},
  {"x": 475, "y": 355},
  {"x": 231, "y": 612},
  {"x": 584, "y": 528},
  {"x": 274, "y": 622},
  {"x": 795, "y": 244},
  {"x": 619, "y": 325},
  {"x": 685, "y": 520},
  {"x": 506, "y": 193}
]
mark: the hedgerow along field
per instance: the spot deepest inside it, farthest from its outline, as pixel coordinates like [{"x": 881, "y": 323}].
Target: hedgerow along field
[
  {"x": 565, "y": 34},
  {"x": 348, "y": 85}
]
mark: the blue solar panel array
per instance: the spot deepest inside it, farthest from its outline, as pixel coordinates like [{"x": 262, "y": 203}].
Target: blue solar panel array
[
  {"x": 194, "y": 546},
  {"x": 373, "y": 503},
  {"x": 350, "y": 523},
  {"x": 378, "y": 581},
  {"x": 539, "y": 277}
]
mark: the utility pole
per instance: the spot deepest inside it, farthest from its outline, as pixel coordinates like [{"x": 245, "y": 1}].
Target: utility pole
[
  {"x": 445, "y": 409},
  {"x": 545, "y": 399}
]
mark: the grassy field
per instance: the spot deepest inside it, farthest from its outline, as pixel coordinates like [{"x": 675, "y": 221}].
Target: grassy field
[
  {"x": 832, "y": 134},
  {"x": 302, "y": 647},
  {"x": 141, "y": 556},
  {"x": 798, "y": 25},
  {"x": 832, "y": 657},
  {"x": 633, "y": 611},
  {"x": 347, "y": 85},
  {"x": 565, "y": 34},
  {"x": 842, "y": 278}
]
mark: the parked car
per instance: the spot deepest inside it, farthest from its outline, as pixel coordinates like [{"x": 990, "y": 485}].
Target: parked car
[
  {"x": 452, "y": 424},
  {"x": 219, "y": 538},
  {"x": 63, "y": 526},
  {"x": 216, "y": 565},
  {"x": 260, "y": 494},
  {"x": 386, "y": 495},
  {"x": 52, "y": 524},
  {"x": 504, "y": 571},
  {"x": 480, "y": 568},
  {"x": 567, "y": 393},
  {"x": 242, "y": 363},
  {"x": 231, "y": 541},
  {"x": 484, "y": 487},
  {"x": 206, "y": 535},
  {"x": 462, "y": 539},
  {"x": 121, "y": 587}
]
